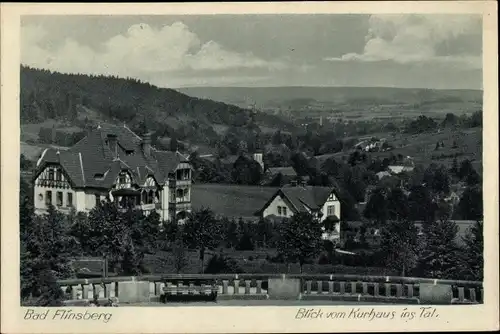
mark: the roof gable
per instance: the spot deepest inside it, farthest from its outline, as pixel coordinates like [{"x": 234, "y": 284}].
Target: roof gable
[
  {"x": 70, "y": 162},
  {"x": 91, "y": 162}
]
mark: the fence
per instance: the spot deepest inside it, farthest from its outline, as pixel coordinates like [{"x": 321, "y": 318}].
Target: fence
[{"x": 378, "y": 289}]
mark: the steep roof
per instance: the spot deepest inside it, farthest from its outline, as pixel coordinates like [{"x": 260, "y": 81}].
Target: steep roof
[
  {"x": 91, "y": 163},
  {"x": 302, "y": 197},
  {"x": 286, "y": 171},
  {"x": 311, "y": 196}
]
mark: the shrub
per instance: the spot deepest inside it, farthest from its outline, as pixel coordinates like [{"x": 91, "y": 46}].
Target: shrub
[{"x": 218, "y": 264}]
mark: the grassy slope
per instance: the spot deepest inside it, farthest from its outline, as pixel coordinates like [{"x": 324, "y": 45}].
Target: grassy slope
[{"x": 421, "y": 146}]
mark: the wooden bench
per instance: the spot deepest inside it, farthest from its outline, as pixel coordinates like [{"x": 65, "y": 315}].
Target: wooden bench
[{"x": 195, "y": 290}]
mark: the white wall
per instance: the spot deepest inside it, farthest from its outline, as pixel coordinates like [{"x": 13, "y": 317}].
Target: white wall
[
  {"x": 40, "y": 191},
  {"x": 272, "y": 208}
]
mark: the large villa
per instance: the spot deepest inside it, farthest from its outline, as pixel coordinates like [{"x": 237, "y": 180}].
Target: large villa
[{"x": 113, "y": 163}]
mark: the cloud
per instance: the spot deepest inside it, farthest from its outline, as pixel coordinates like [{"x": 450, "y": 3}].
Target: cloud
[
  {"x": 408, "y": 39},
  {"x": 142, "y": 50}
]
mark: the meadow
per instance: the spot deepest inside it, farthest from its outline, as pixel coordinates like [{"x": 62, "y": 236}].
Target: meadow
[
  {"x": 422, "y": 147},
  {"x": 230, "y": 200}
]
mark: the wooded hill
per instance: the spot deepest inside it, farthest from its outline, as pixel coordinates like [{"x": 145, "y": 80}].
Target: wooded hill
[{"x": 52, "y": 95}]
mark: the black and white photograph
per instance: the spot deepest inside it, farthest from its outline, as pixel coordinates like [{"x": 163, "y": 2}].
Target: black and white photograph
[{"x": 305, "y": 160}]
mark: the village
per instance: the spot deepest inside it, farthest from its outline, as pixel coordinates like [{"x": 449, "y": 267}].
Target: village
[{"x": 190, "y": 178}]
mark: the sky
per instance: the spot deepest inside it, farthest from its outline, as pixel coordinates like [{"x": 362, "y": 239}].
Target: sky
[{"x": 441, "y": 51}]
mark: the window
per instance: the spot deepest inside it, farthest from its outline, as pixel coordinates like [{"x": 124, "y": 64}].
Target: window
[
  {"x": 122, "y": 179},
  {"x": 279, "y": 210},
  {"x": 330, "y": 210},
  {"x": 97, "y": 200},
  {"x": 150, "y": 197},
  {"x": 59, "y": 198},
  {"x": 51, "y": 174},
  {"x": 59, "y": 175},
  {"x": 69, "y": 200},
  {"x": 284, "y": 211},
  {"x": 172, "y": 194},
  {"x": 48, "y": 198}
]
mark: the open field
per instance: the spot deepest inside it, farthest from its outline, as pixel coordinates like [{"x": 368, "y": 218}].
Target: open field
[{"x": 231, "y": 200}]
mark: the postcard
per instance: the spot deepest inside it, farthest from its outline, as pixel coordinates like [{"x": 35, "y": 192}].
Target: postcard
[{"x": 249, "y": 167}]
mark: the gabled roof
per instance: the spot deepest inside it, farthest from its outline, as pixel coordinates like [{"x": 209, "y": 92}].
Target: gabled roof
[
  {"x": 70, "y": 161},
  {"x": 91, "y": 163},
  {"x": 285, "y": 171},
  {"x": 302, "y": 198}
]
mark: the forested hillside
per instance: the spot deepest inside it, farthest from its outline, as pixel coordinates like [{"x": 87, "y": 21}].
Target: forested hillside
[{"x": 79, "y": 99}]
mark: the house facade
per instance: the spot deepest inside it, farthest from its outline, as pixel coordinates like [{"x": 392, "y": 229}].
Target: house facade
[
  {"x": 322, "y": 202},
  {"x": 113, "y": 163}
]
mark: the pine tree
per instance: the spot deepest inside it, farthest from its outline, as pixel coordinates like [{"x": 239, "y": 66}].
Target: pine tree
[
  {"x": 471, "y": 204},
  {"x": 179, "y": 253},
  {"x": 472, "y": 253},
  {"x": 440, "y": 254}
]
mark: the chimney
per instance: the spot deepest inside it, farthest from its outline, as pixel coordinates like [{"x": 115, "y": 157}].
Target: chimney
[
  {"x": 258, "y": 157},
  {"x": 303, "y": 182},
  {"x": 113, "y": 144},
  {"x": 146, "y": 144}
]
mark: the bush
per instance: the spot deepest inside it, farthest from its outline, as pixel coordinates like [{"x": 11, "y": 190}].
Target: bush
[
  {"x": 218, "y": 264},
  {"x": 324, "y": 259}
]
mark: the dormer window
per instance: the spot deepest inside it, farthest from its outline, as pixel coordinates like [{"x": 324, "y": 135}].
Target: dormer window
[
  {"x": 99, "y": 176},
  {"x": 129, "y": 152},
  {"x": 59, "y": 175},
  {"x": 122, "y": 179},
  {"x": 51, "y": 174}
]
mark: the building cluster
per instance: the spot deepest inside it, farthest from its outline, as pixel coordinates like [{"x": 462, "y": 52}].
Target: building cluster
[{"x": 113, "y": 163}]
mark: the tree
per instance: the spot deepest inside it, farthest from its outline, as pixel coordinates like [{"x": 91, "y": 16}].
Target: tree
[
  {"x": 440, "y": 254},
  {"x": 454, "y": 168},
  {"x": 473, "y": 178},
  {"x": 472, "y": 253},
  {"x": 401, "y": 245},
  {"x": 465, "y": 169},
  {"x": 437, "y": 178},
  {"x": 397, "y": 205},
  {"x": 300, "y": 238},
  {"x": 471, "y": 204},
  {"x": 264, "y": 235},
  {"x": 421, "y": 206},
  {"x": 47, "y": 250},
  {"x": 25, "y": 164},
  {"x": 231, "y": 235},
  {"x": 376, "y": 208},
  {"x": 246, "y": 171},
  {"x": 203, "y": 231},
  {"x": 179, "y": 253}
]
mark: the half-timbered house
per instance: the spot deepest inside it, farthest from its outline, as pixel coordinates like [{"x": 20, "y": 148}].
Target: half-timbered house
[{"x": 113, "y": 163}]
